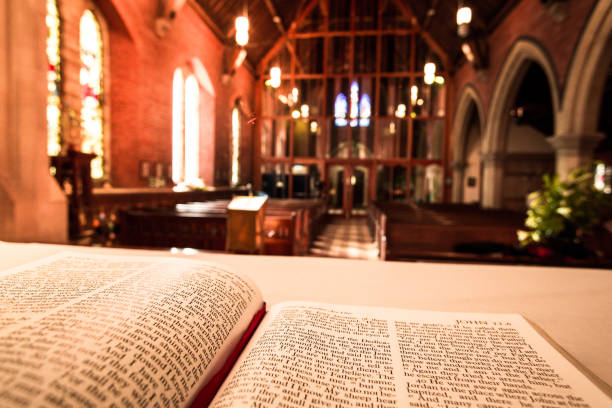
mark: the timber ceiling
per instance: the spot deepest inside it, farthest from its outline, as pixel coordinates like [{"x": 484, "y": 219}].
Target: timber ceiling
[{"x": 435, "y": 16}]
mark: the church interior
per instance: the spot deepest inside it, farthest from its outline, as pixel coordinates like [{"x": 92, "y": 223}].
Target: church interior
[
  {"x": 390, "y": 129},
  {"x": 362, "y": 203}
]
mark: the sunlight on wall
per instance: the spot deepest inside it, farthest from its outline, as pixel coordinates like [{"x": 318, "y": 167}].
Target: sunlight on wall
[
  {"x": 235, "y": 144},
  {"x": 178, "y": 149},
  {"x": 192, "y": 129}
]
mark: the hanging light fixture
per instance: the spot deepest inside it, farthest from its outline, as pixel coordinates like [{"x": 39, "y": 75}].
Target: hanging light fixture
[
  {"x": 294, "y": 95},
  {"x": 275, "y": 77},
  {"x": 414, "y": 94},
  {"x": 242, "y": 30},
  {"x": 464, "y": 18},
  {"x": 430, "y": 73},
  {"x": 400, "y": 112}
]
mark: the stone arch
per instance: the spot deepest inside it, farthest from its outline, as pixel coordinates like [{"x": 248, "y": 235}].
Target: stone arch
[
  {"x": 468, "y": 102},
  {"x": 509, "y": 80},
  {"x": 577, "y": 135},
  {"x": 468, "y": 97}
]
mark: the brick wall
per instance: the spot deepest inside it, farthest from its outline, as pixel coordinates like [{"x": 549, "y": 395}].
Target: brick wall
[
  {"x": 139, "y": 85},
  {"x": 530, "y": 18}
]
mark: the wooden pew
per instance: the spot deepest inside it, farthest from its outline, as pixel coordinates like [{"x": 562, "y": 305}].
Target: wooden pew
[
  {"x": 407, "y": 231},
  {"x": 171, "y": 228},
  {"x": 309, "y": 219},
  {"x": 281, "y": 232},
  {"x": 289, "y": 226}
]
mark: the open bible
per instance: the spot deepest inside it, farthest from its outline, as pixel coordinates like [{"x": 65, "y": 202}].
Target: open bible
[{"x": 116, "y": 331}]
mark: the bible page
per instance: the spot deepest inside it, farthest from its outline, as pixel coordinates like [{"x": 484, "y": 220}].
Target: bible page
[
  {"x": 92, "y": 330},
  {"x": 316, "y": 355}
]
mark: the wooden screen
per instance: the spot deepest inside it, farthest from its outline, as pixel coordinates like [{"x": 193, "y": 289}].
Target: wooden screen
[{"x": 352, "y": 93}]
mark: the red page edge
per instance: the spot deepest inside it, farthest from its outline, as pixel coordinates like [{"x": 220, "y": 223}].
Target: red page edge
[{"x": 208, "y": 391}]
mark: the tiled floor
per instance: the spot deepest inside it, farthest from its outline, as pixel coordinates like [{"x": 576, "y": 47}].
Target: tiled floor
[{"x": 345, "y": 238}]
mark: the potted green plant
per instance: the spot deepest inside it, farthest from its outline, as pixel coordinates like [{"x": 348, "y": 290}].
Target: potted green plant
[{"x": 562, "y": 214}]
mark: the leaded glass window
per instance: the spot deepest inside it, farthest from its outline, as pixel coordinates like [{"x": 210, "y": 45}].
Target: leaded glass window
[
  {"x": 54, "y": 103},
  {"x": 92, "y": 129}
]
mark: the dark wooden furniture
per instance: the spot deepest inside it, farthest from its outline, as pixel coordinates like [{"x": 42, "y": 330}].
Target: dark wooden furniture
[
  {"x": 441, "y": 231},
  {"x": 73, "y": 174},
  {"x": 289, "y": 226},
  {"x": 106, "y": 203}
]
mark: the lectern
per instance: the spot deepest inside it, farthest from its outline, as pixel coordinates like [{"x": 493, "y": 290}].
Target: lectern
[{"x": 245, "y": 224}]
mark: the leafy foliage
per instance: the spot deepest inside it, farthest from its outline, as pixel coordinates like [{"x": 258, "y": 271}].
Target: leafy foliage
[{"x": 563, "y": 211}]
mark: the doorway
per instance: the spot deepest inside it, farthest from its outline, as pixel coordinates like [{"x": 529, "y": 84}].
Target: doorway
[{"x": 348, "y": 189}]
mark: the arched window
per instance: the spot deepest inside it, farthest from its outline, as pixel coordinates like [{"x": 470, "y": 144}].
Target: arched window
[
  {"x": 365, "y": 110},
  {"x": 92, "y": 128},
  {"x": 178, "y": 135},
  {"x": 360, "y": 109},
  {"x": 54, "y": 104},
  {"x": 185, "y": 129},
  {"x": 354, "y": 100},
  {"x": 236, "y": 131},
  {"x": 340, "y": 110},
  {"x": 192, "y": 129}
]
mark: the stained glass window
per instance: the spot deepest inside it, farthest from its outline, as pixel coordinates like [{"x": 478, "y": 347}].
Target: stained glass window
[
  {"x": 235, "y": 145},
  {"x": 365, "y": 110},
  {"x": 340, "y": 110},
  {"x": 360, "y": 109},
  {"x": 354, "y": 100},
  {"x": 53, "y": 80},
  {"x": 91, "y": 84}
]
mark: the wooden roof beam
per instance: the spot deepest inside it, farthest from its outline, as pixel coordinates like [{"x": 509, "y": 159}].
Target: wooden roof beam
[
  {"x": 281, "y": 28},
  {"x": 208, "y": 21},
  {"x": 409, "y": 13},
  {"x": 276, "y": 18},
  {"x": 281, "y": 41},
  {"x": 324, "y": 6}
]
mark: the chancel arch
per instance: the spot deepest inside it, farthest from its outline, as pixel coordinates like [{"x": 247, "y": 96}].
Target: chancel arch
[
  {"x": 468, "y": 125},
  {"x": 580, "y": 131},
  {"x": 523, "y": 57}
]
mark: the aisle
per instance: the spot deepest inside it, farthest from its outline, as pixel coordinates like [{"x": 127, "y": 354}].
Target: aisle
[{"x": 345, "y": 238}]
